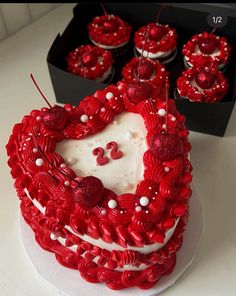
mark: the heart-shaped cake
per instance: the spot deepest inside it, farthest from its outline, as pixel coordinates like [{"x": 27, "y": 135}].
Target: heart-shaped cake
[{"x": 105, "y": 185}]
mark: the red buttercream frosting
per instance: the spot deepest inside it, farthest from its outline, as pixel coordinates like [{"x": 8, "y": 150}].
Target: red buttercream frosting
[
  {"x": 146, "y": 70},
  {"x": 207, "y": 47},
  {"x": 68, "y": 198},
  {"x": 202, "y": 84},
  {"x": 89, "y": 61},
  {"x": 161, "y": 38},
  {"x": 109, "y": 30}
]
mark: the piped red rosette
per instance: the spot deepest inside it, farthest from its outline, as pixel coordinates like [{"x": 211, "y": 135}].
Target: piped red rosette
[
  {"x": 146, "y": 70},
  {"x": 73, "y": 207},
  {"x": 91, "y": 62},
  {"x": 207, "y": 47},
  {"x": 109, "y": 31},
  {"x": 161, "y": 39},
  {"x": 202, "y": 84}
]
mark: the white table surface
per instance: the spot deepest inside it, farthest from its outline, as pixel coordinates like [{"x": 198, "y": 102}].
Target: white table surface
[{"x": 214, "y": 160}]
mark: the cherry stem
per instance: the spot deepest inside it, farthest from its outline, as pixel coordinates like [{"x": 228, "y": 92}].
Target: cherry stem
[
  {"x": 213, "y": 30},
  {"x": 49, "y": 162},
  {"x": 141, "y": 58},
  {"x": 162, "y": 8},
  {"x": 35, "y": 83},
  {"x": 167, "y": 101},
  {"x": 103, "y": 8}
]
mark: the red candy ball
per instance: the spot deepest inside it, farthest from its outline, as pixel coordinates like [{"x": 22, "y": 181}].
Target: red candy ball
[
  {"x": 110, "y": 26},
  {"x": 166, "y": 147},
  {"x": 207, "y": 45},
  {"x": 89, "y": 192},
  {"x": 156, "y": 34},
  {"x": 89, "y": 59},
  {"x": 145, "y": 70},
  {"x": 137, "y": 92},
  {"x": 205, "y": 79},
  {"x": 55, "y": 118}
]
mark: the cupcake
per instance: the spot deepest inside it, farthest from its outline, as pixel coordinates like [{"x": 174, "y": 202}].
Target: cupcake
[
  {"x": 160, "y": 42},
  {"x": 108, "y": 31},
  {"x": 202, "y": 84},
  {"x": 143, "y": 69},
  {"x": 91, "y": 62},
  {"x": 207, "y": 47}
]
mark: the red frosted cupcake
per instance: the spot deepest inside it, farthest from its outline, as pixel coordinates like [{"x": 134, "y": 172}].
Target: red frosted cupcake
[
  {"x": 202, "y": 84},
  {"x": 160, "y": 42},
  {"x": 109, "y": 31},
  {"x": 206, "y": 47},
  {"x": 91, "y": 62},
  {"x": 146, "y": 70}
]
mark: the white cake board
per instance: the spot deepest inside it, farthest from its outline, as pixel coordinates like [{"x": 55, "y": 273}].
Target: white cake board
[{"x": 70, "y": 282}]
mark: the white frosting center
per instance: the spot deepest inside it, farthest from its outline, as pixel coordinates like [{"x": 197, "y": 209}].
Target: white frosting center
[
  {"x": 159, "y": 54},
  {"x": 120, "y": 175}
]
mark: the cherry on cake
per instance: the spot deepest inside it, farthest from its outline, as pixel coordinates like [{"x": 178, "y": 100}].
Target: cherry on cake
[
  {"x": 143, "y": 69},
  {"x": 109, "y": 31},
  {"x": 156, "y": 41},
  {"x": 91, "y": 62},
  {"x": 202, "y": 84},
  {"x": 105, "y": 185},
  {"x": 207, "y": 47}
]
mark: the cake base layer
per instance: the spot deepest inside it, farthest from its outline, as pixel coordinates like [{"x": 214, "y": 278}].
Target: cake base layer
[{"x": 47, "y": 266}]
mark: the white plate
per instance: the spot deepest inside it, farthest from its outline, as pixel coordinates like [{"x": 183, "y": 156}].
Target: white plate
[{"x": 70, "y": 282}]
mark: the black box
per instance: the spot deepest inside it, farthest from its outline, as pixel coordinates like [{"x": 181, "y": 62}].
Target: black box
[{"x": 203, "y": 117}]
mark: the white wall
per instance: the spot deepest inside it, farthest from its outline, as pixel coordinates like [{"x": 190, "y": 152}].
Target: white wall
[{"x": 14, "y": 16}]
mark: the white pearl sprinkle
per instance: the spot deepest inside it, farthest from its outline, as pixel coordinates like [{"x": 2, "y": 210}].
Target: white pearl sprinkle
[
  {"x": 53, "y": 236},
  {"x": 38, "y": 118},
  {"x": 62, "y": 165},
  {"x": 144, "y": 201},
  {"x": 35, "y": 150},
  {"x": 164, "y": 126},
  {"x": 161, "y": 112},
  {"x": 112, "y": 204},
  {"x": 71, "y": 160},
  {"x": 150, "y": 187},
  {"x": 39, "y": 162},
  {"x": 173, "y": 119},
  {"x": 166, "y": 169},
  {"x": 120, "y": 87},
  {"x": 84, "y": 118},
  {"x": 103, "y": 109},
  {"x": 138, "y": 209},
  {"x": 121, "y": 212},
  {"x": 67, "y": 183},
  {"x": 115, "y": 122},
  {"x": 103, "y": 212},
  {"x": 109, "y": 95}
]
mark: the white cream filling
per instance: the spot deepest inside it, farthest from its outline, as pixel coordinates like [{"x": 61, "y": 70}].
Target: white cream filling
[
  {"x": 120, "y": 175},
  {"x": 109, "y": 46},
  {"x": 159, "y": 54},
  {"x": 105, "y": 75}
]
